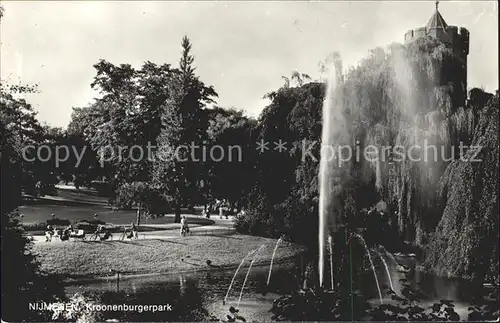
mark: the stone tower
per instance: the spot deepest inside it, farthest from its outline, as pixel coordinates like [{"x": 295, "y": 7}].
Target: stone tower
[{"x": 455, "y": 38}]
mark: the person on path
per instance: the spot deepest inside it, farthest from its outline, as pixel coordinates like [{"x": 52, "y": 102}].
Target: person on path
[
  {"x": 135, "y": 234},
  {"x": 184, "y": 226},
  {"x": 49, "y": 233}
]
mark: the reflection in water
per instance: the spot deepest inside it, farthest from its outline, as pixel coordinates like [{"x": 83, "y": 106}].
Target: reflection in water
[
  {"x": 182, "y": 287},
  {"x": 195, "y": 295}
]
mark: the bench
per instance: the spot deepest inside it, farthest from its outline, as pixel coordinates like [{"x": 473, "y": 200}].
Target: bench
[{"x": 80, "y": 234}]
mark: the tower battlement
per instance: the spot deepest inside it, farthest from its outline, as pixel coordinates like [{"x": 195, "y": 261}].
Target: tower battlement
[{"x": 455, "y": 38}]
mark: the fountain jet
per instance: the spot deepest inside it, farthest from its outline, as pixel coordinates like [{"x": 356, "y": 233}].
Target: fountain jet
[
  {"x": 371, "y": 264},
  {"x": 272, "y": 259},
  {"x": 236, "y": 273},
  {"x": 330, "y": 242},
  {"x": 248, "y": 273},
  {"x": 332, "y": 116},
  {"x": 386, "y": 270}
]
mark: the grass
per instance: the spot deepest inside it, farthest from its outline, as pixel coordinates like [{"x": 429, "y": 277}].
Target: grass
[
  {"x": 79, "y": 205},
  {"x": 94, "y": 259},
  {"x": 41, "y": 212}
]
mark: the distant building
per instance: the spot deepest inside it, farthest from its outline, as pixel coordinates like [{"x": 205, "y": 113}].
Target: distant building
[{"x": 455, "y": 38}]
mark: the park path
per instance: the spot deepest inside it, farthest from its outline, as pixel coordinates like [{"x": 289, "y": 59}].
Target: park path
[{"x": 168, "y": 231}]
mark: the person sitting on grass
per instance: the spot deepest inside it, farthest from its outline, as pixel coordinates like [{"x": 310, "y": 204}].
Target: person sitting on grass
[
  {"x": 134, "y": 231},
  {"x": 128, "y": 233},
  {"x": 98, "y": 230},
  {"x": 65, "y": 234},
  {"x": 106, "y": 235}
]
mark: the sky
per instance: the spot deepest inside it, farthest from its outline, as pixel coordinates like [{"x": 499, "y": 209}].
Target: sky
[{"x": 242, "y": 48}]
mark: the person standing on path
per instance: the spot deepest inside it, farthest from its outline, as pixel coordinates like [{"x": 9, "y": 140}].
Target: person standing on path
[{"x": 184, "y": 226}]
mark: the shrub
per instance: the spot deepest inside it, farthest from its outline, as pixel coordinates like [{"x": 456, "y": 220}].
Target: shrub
[
  {"x": 76, "y": 310},
  {"x": 309, "y": 305},
  {"x": 58, "y": 222},
  {"x": 38, "y": 226},
  {"x": 23, "y": 281},
  {"x": 95, "y": 222}
]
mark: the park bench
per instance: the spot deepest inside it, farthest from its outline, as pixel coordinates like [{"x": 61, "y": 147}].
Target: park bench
[{"x": 80, "y": 234}]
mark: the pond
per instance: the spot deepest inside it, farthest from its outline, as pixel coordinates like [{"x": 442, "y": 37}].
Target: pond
[
  {"x": 197, "y": 295},
  {"x": 188, "y": 293},
  {"x": 435, "y": 288}
]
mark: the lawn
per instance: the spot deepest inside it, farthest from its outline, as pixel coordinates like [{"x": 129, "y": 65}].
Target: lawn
[
  {"x": 79, "y": 205},
  {"x": 76, "y": 259}
]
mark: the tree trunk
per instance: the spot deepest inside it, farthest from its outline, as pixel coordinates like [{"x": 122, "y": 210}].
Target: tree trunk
[
  {"x": 177, "y": 218},
  {"x": 138, "y": 219}
]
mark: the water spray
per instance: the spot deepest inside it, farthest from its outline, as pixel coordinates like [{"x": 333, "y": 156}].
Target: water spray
[
  {"x": 272, "y": 259},
  {"x": 248, "y": 273},
  {"x": 236, "y": 273},
  {"x": 331, "y": 260}
]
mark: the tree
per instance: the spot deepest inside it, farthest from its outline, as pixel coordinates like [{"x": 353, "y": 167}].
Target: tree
[
  {"x": 118, "y": 121},
  {"x": 139, "y": 193},
  {"x": 284, "y": 197},
  {"x": 231, "y": 178},
  {"x": 184, "y": 123},
  {"x": 22, "y": 280},
  {"x": 123, "y": 124},
  {"x": 19, "y": 123}
]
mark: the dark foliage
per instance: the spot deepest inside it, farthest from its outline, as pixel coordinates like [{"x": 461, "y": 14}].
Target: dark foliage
[
  {"x": 405, "y": 305},
  {"x": 22, "y": 281},
  {"x": 58, "y": 222}
]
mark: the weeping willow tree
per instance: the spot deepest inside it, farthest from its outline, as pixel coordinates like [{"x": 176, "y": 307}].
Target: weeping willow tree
[
  {"x": 407, "y": 99},
  {"x": 411, "y": 98},
  {"x": 466, "y": 240}
]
